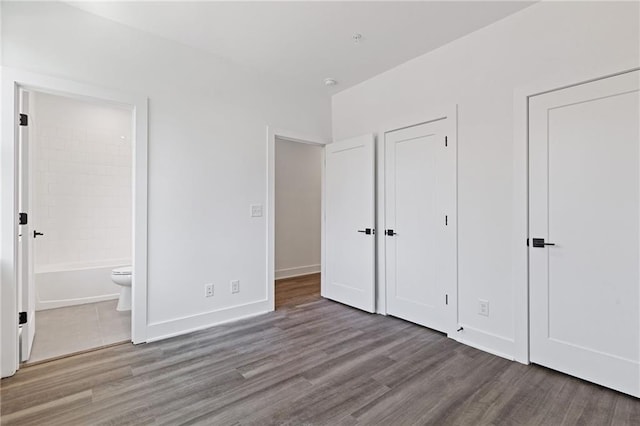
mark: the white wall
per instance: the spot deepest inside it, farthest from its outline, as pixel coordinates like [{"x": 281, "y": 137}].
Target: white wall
[
  {"x": 82, "y": 199},
  {"x": 298, "y": 196},
  {"x": 207, "y": 151},
  {"x": 479, "y": 73}
]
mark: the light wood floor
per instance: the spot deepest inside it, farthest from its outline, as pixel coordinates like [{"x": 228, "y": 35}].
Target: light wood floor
[
  {"x": 318, "y": 362},
  {"x": 297, "y": 291}
]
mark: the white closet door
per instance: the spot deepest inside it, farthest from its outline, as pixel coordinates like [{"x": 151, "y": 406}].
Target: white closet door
[
  {"x": 584, "y": 228},
  {"x": 349, "y": 222},
  {"x": 420, "y": 234}
]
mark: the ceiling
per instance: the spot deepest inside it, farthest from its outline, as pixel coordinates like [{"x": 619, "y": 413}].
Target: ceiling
[{"x": 310, "y": 41}]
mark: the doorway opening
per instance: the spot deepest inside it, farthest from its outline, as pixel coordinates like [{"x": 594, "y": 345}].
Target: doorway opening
[
  {"x": 19, "y": 301},
  {"x": 76, "y": 186},
  {"x": 298, "y": 198},
  {"x": 295, "y": 224}
]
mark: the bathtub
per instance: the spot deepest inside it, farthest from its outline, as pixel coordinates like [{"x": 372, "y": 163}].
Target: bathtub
[{"x": 75, "y": 284}]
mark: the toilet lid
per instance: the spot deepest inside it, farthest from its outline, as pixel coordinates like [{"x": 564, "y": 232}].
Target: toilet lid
[{"x": 125, "y": 270}]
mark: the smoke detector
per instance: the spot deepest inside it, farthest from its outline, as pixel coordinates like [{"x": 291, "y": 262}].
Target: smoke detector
[
  {"x": 330, "y": 82},
  {"x": 357, "y": 37}
]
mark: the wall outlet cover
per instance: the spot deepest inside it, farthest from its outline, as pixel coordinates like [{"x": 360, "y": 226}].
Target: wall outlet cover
[
  {"x": 208, "y": 290},
  {"x": 483, "y": 307},
  {"x": 235, "y": 286}
]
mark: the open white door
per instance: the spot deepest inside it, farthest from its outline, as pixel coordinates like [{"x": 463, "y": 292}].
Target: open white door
[
  {"x": 26, "y": 284},
  {"x": 420, "y": 224},
  {"x": 349, "y": 222},
  {"x": 584, "y": 213}
]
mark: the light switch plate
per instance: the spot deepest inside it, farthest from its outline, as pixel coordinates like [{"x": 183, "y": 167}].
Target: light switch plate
[{"x": 256, "y": 210}]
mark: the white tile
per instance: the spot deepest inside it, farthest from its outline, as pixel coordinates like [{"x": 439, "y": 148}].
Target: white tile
[{"x": 83, "y": 193}]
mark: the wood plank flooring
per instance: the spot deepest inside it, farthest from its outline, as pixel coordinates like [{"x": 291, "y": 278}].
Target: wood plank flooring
[
  {"x": 315, "y": 362},
  {"x": 297, "y": 290}
]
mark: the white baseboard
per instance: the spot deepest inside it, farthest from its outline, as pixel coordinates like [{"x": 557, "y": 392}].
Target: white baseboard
[
  {"x": 176, "y": 327},
  {"x": 297, "y": 271},
  {"x": 497, "y": 345},
  {"x": 54, "y": 304}
]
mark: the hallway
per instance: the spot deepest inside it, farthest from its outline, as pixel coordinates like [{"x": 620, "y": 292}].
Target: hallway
[{"x": 297, "y": 290}]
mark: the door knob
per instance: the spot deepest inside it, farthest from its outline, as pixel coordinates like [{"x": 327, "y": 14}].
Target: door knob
[
  {"x": 539, "y": 242},
  {"x": 36, "y": 234},
  {"x": 367, "y": 231}
]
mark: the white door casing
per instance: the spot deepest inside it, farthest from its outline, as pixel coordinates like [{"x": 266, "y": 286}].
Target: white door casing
[
  {"x": 584, "y": 197},
  {"x": 26, "y": 279},
  {"x": 420, "y": 237},
  {"x": 349, "y": 211},
  {"x": 12, "y": 80}
]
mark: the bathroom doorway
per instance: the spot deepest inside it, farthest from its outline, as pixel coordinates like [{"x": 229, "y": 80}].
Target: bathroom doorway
[
  {"x": 297, "y": 220},
  {"x": 19, "y": 301},
  {"x": 80, "y": 186}
]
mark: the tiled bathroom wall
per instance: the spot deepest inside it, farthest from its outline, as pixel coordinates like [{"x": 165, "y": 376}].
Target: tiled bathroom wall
[{"x": 83, "y": 169}]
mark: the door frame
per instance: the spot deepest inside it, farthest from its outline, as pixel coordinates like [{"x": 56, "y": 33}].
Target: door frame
[
  {"x": 520, "y": 250},
  {"x": 450, "y": 113},
  {"x": 290, "y": 136},
  {"x": 12, "y": 79}
]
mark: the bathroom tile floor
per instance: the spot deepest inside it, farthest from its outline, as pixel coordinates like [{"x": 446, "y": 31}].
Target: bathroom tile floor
[{"x": 72, "y": 329}]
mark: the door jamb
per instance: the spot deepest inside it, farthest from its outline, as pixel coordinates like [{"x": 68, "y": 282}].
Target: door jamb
[
  {"x": 287, "y": 135},
  {"x": 447, "y": 112},
  {"x": 520, "y": 251},
  {"x": 12, "y": 79}
]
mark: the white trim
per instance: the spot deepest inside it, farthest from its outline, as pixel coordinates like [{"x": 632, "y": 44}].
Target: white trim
[
  {"x": 82, "y": 266},
  {"x": 487, "y": 342},
  {"x": 381, "y": 285},
  {"x": 298, "y": 271},
  {"x": 272, "y": 134},
  {"x": 54, "y": 304},
  {"x": 520, "y": 252},
  {"x": 12, "y": 79},
  {"x": 450, "y": 112},
  {"x": 189, "y": 324}
]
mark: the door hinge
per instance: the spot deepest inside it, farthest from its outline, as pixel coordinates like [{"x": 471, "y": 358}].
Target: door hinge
[
  {"x": 24, "y": 120},
  {"x": 23, "y": 219},
  {"x": 446, "y": 141},
  {"x": 22, "y": 318},
  {"x": 527, "y": 242},
  {"x": 446, "y": 220},
  {"x": 446, "y": 299}
]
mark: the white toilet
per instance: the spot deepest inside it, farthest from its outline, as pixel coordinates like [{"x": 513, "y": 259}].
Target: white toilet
[{"x": 122, "y": 277}]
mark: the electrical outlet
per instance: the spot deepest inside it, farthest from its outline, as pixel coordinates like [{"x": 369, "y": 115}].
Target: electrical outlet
[
  {"x": 208, "y": 290},
  {"x": 483, "y": 307},
  {"x": 235, "y": 286}
]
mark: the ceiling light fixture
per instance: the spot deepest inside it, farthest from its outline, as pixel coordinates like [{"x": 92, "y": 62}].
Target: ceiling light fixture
[{"x": 330, "y": 82}]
